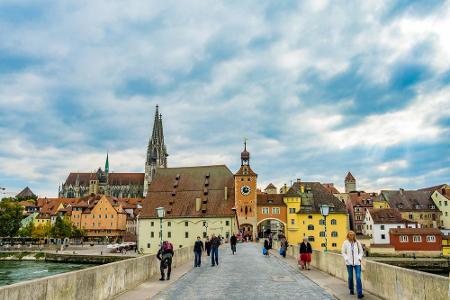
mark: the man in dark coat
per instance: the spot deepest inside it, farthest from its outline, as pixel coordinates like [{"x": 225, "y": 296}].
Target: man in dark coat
[
  {"x": 233, "y": 242},
  {"x": 198, "y": 249},
  {"x": 215, "y": 243},
  {"x": 208, "y": 246}
]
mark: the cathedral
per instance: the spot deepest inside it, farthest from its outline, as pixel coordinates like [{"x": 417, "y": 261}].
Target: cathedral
[{"x": 121, "y": 185}]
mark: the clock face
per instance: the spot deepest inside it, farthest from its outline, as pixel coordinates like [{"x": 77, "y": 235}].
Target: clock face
[{"x": 245, "y": 190}]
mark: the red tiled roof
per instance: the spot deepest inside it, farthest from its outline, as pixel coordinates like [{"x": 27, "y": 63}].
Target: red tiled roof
[
  {"x": 349, "y": 177},
  {"x": 176, "y": 189},
  {"x": 240, "y": 172},
  {"x": 409, "y": 231},
  {"x": 386, "y": 216},
  {"x": 361, "y": 197},
  {"x": 263, "y": 199},
  {"x": 331, "y": 188},
  {"x": 113, "y": 178}
]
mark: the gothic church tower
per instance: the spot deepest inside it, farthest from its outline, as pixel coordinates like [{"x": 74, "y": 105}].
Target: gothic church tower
[{"x": 156, "y": 151}]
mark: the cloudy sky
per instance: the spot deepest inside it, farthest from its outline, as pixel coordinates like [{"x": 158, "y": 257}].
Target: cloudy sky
[{"x": 318, "y": 88}]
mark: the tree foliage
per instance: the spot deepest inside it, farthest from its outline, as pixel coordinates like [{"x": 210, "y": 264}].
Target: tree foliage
[
  {"x": 62, "y": 228},
  {"x": 27, "y": 231},
  {"x": 10, "y": 217},
  {"x": 41, "y": 231}
]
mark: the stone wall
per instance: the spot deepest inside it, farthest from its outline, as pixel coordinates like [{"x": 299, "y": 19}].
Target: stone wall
[
  {"x": 100, "y": 282},
  {"x": 385, "y": 281}
]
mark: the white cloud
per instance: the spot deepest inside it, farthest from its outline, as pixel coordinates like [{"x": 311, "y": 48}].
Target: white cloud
[{"x": 392, "y": 165}]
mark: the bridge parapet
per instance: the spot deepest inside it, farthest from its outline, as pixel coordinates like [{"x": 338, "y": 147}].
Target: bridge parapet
[{"x": 383, "y": 280}]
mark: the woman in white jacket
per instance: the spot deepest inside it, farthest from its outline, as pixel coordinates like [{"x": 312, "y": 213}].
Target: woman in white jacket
[{"x": 353, "y": 252}]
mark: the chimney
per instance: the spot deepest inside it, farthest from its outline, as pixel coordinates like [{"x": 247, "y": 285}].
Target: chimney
[
  {"x": 198, "y": 204},
  {"x": 226, "y": 193},
  {"x": 443, "y": 191}
]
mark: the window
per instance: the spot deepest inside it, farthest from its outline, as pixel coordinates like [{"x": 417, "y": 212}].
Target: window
[
  {"x": 446, "y": 213},
  {"x": 93, "y": 216},
  {"x": 186, "y": 224},
  {"x": 382, "y": 227},
  {"x": 186, "y": 235},
  {"x": 292, "y": 221},
  {"x": 106, "y": 216},
  {"x": 445, "y": 203},
  {"x": 333, "y": 222},
  {"x": 169, "y": 224},
  {"x": 169, "y": 234},
  {"x": 99, "y": 216},
  {"x": 431, "y": 239},
  {"x": 417, "y": 239},
  {"x": 204, "y": 223},
  {"x": 410, "y": 216},
  {"x": 152, "y": 234},
  {"x": 291, "y": 210},
  {"x": 321, "y": 222},
  {"x": 310, "y": 227},
  {"x": 227, "y": 223},
  {"x": 309, "y": 217},
  {"x": 404, "y": 238},
  {"x": 148, "y": 245},
  {"x": 275, "y": 210},
  {"x": 265, "y": 210},
  {"x": 310, "y": 238},
  {"x": 333, "y": 245},
  {"x": 322, "y": 234},
  {"x": 334, "y": 234},
  {"x": 383, "y": 236},
  {"x": 322, "y": 245},
  {"x": 204, "y": 234},
  {"x": 440, "y": 203},
  {"x": 152, "y": 223},
  {"x": 112, "y": 216},
  {"x": 370, "y": 227}
]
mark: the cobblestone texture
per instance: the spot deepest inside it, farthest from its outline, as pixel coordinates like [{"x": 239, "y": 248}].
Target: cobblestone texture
[{"x": 246, "y": 275}]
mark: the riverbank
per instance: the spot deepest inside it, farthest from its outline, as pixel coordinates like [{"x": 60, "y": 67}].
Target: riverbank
[{"x": 60, "y": 257}]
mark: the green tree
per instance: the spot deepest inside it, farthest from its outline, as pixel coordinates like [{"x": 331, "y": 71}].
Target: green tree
[
  {"x": 27, "y": 231},
  {"x": 77, "y": 232},
  {"x": 62, "y": 228},
  {"x": 10, "y": 217},
  {"x": 41, "y": 231}
]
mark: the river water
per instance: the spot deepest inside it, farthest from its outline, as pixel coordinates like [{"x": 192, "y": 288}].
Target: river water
[{"x": 16, "y": 271}]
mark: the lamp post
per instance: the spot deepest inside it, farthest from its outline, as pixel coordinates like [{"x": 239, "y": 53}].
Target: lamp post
[
  {"x": 205, "y": 224},
  {"x": 160, "y": 211},
  {"x": 325, "y": 211}
]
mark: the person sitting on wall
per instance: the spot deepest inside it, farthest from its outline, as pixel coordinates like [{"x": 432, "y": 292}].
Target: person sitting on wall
[{"x": 165, "y": 255}]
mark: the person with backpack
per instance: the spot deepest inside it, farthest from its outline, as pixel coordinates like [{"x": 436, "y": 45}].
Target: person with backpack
[
  {"x": 198, "y": 249},
  {"x": 208, "y": 246},
  {"x": 233, "y": 242},
  {"x": 353, "y": 253},
  {"x": 215, "y": 243},
  {"x": 305, "y": 254},
  {"x": 284, "y": 246},
  {"x": 165, "y": 255}
]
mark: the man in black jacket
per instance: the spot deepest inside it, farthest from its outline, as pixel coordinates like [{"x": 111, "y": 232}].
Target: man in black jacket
[
  {"x": 198, "y": 249},
  {"x": 305, "y": 254},
  {"x": 233, "y": 241},
  {"x": 165, "y": 255},
  {"x": 215, "y": 243}
]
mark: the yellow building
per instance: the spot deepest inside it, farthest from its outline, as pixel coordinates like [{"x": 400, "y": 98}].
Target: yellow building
[
  {"x": 377, "y": 203},
  {"x": 446, "y": 245},
  {"x": 441, "y": 199},
  {"x": 198, "y": 201},
  {"x": 304, "y": 219}
]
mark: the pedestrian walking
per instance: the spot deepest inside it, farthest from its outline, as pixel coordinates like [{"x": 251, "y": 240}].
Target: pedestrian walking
[
  {"x": 208, "y": 246},
  {"x": 165, "y": 255},
  {"x": 198, "y": 250},
  {"x": 270, "y": 242},
  {"x": 284, "y": 246},
  {"x": 266, "y": 247},
  {"x": 215, "y": 243},
  {"x": 233, "y": 242},
  {"x": 305, "y": 254},
  {"x": 353, "y": 253}
]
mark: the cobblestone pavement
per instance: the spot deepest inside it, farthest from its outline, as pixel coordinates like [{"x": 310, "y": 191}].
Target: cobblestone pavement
[{"x": 246, "y": 275}]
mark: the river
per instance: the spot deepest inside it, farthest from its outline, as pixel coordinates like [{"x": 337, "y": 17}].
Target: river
[{"x": 16, "y": 271}]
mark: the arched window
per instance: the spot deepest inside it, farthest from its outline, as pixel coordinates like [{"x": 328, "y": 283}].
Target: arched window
[
  {"x": 334, "y": 234},
  {"x": 310, "y": 227},
  {"x": 321, "y": 222},
  {"x": 333, "y": 222},
  {"x": 322, "y": 233}
]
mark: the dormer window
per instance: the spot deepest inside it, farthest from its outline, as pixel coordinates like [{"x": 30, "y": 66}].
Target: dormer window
[{"x": 270, "y": 201}]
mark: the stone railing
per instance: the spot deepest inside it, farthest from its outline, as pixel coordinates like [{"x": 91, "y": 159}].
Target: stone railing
[
  {"x": 99, "y": 282},
  {"x": 383, "y": 280}
]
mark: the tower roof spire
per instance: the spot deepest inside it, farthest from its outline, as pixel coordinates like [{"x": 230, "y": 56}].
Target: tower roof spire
[
  {"x": 156, "y": 150},
  {"x": 107, "y": 163}
]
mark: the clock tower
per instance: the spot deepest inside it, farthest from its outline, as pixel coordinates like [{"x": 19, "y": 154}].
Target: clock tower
[{"x": 245, "y": 196}]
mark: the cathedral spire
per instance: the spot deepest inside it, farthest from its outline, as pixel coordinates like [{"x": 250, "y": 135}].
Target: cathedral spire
[
  {"x": 156, "y": 151},
  {"x": 107, "y": 163}
]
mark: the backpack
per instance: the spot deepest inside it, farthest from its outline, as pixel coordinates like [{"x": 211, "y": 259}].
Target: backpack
[{"x": 167, "y": 246}]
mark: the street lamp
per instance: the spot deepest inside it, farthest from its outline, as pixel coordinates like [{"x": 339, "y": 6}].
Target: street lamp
[
  {"x": 160, "y": 212},
  {"x": 325, "y": 211},
  {"x": 205, "y": 224}
]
